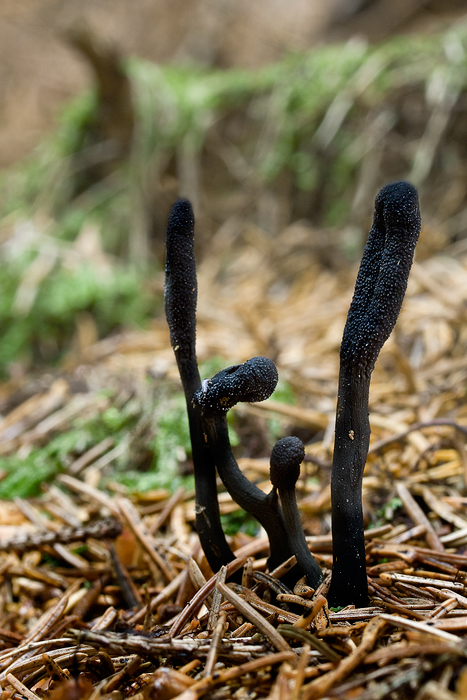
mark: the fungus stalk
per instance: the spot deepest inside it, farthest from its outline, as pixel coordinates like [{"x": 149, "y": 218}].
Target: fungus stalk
[
  {"x": 180, "y": 309},
  {"x": 286, "y": 457},
  {"x": 255, "y": 380},
  {"x": 379, "y": 292}
]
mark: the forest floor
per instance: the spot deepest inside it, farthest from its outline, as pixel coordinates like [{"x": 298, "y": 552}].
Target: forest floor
[
  {"x": 141, "y": 617},
  {"x": 104, "y": 589}
]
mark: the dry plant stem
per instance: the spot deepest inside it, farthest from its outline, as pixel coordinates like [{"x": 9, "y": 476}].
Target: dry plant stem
[
  {"x": 319, "y": 687},
  {"x": 98, "y": 496},
  {"x": 300, "y": 673},
  {"x": 32, "y": 514},
  {"x": 216, "y": 641},
  {"x": 404, "y": 650},
  {"x": 254, "y": 617},
  {"x": 216, "y": 600},
  {"x": 420, "y": 627},
  {"x": 53, "y": 669},
  {"x": 379, "y": 292},
  {"x": 21, "y": 688},
  {"x": 180, "y": 308},
  {"x": 126, "y": 673},
  {"x": 307, "y": 637},
  {"x": 159, "y": 599},
  {"x": 50, "y": 617},
  {"x": 419, "y": 517},
  {"x": 135, "y": 524},
  {"x": 230, "y": 674},
  {"x": 129, "y": 591},
  {"x": 199, "y": 598},
  {"x": 166, "y": 511},
  {"x": 101, "y": 529},
  {"x": 29, "y": 663}
]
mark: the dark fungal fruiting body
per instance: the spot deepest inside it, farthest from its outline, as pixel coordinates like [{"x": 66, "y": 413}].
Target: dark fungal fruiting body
[
  {"x": 254, "y": 380},
  {"x": 379, "y": 292},
  {"x": 286, "y": 457},
  {"x": 180, "y": 308}
]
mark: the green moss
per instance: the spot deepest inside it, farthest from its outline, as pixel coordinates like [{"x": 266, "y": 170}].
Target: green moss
[{"x": 239, "y": 521}]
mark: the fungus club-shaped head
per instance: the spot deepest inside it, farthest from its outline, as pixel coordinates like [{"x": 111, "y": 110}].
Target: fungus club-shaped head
[
  {"x": 286, "y": 457},
  {"x": 254, "y": 380},
  {"x": 180, "y": 278},
  {"x": 383, "y": 274}
]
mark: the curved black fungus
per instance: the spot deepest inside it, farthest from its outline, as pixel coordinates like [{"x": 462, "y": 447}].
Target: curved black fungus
[
  {"x": 254, "y": 380},
  {"x": 379, "y": 292},
  {"x": 180, "y": 309},
  {"x": 286, "y": 457}
]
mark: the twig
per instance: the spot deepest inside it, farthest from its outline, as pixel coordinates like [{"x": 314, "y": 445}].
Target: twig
[
  {"x": 146, "y": 541},
  {"x": 310, "y": 639},
  {"x": 216, "y": 600},
  {"x": 255, "y": 618},
  {"x": 320, "y": 686},
  {"x": 102, "y": 529},
  {"x": 419, "y": 517},
  {"x": 93, "y": 493},
  {"x": 215, "y": 644},
  {"x": 201, "y": 596},
  {"x": 90, "y": 455},
  {"x": 21, "y": 688},
  {"x": 436, "y": 422},
  {"x": 397, "y": 621},
  {"x": 166, "y": 592}
]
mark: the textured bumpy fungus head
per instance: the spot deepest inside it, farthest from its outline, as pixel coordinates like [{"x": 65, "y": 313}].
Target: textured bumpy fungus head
[
  {"x": 254, "y": 380},
  {"x": 379, "y": 292},
  {"x": 180, "y": 310},
  {"x": 180, "y": 278},
  {"x": 383, "y": 275},
  {"x": 286, "y": 457}
]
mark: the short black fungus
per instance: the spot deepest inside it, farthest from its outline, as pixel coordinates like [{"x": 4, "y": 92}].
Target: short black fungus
[
  {"x": 180, "y": 309},
  {"x": 255, "y": 380},
  {"x": 379, "y": 292},
  {"x": 286, "y": 457}
]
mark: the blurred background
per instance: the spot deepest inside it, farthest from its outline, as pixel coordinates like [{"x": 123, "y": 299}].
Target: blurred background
[{"x": 280, "y": 121}]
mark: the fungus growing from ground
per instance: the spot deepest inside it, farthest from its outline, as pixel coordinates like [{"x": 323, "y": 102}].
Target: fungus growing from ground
[
  {"x": 286, "y": 457},
  {"x": 255, "y": 380},
  {"x": 180, "y": 310},
  {"x": 379, "y": 292}
]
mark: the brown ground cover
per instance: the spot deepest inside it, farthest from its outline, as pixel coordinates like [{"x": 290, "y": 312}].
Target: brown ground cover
[
  {"x": 141, "y": 615},
  {"x": 136, "y": 612}
]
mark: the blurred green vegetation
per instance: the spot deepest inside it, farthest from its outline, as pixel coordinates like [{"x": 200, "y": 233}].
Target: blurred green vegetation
[
  {"x": 64, "y": 256},
  {"x": 302, "y": 116},
  {"x": 152, "y": 432}
]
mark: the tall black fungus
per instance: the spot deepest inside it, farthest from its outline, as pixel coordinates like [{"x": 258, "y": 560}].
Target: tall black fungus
[
  {"x": 181, "y": 291},
  {"x": 379, "y": 292}
]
